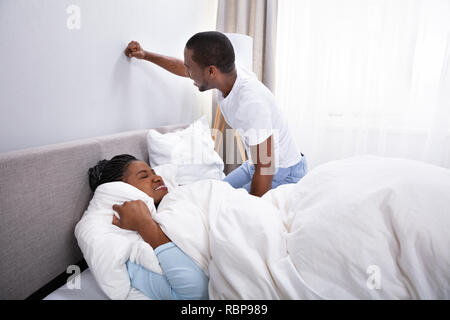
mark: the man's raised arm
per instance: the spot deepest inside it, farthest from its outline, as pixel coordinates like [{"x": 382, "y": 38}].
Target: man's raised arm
[{"x": 171, "y": 64}]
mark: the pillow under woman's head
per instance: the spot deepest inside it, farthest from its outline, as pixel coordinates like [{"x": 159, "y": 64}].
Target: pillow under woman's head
[{"x": 128, "y": 169}]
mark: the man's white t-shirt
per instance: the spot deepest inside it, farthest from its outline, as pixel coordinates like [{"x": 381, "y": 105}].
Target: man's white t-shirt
[{"x": 250, "y": 108}]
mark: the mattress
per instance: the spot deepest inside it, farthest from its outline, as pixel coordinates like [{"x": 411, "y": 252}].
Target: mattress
[{"x": 88, "y": 290}]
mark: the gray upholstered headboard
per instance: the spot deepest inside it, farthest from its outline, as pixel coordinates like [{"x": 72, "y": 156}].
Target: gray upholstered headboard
[{"x": 43, "y": 194}]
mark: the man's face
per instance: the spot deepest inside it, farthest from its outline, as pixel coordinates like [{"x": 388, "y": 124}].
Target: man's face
[{"x": 196, "y": 72}]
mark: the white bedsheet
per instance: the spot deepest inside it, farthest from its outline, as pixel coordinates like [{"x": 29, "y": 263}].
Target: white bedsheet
[
  {"x": 359, "y": 228},
  {"x": 355, "y": 221},
  {"x": 88, "y": 290}
]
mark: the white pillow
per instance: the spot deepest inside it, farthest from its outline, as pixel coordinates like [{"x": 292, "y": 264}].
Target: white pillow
[
  {"x": 106, "y": 247},
  {"x": 168, "y": 172},
  {"x": 190, "y": 149}
]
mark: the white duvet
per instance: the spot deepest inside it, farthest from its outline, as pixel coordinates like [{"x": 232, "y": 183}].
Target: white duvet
[{"x": 360, "y": 228}]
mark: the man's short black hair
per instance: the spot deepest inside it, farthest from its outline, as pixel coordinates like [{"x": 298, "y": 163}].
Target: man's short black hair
[{"x": 212, "y": 48}]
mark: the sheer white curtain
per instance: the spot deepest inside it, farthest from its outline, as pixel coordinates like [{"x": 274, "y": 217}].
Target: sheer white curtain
[{"x": 366, "y": 77}]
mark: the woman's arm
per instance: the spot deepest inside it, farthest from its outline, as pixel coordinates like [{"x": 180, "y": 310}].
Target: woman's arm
[
  {"x": 151, "y": 232},
  {"x": 182, "y": 278}
]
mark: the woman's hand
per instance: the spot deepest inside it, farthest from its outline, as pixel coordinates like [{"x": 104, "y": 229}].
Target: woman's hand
[{"x": 133, "y": 215}]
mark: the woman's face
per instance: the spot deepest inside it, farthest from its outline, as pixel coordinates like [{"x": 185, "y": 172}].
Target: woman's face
[{"x": 140, "y": 175}]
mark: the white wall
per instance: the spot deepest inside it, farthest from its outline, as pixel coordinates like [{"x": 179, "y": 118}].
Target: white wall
[{"x": 59, "y": 84}]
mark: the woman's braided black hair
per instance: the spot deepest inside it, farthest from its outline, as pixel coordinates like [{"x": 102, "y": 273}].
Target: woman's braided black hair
[{"x": 109, "y": 170}]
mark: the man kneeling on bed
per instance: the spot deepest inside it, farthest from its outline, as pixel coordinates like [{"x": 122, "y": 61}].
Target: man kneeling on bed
[{"x": 182, "y": 278}]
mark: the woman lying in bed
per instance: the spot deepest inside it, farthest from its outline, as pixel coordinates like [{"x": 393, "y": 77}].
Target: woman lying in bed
[{"x": 182, "y": 278}]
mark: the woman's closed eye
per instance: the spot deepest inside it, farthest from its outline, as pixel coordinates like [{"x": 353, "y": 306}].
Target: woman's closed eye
[{"x": 146, "y": 175}]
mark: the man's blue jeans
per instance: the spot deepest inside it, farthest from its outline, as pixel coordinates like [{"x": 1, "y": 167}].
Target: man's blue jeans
[{"x": 242, "y": 176}]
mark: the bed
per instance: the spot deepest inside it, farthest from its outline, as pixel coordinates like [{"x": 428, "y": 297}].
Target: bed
[{"x": 360, "y": 228}]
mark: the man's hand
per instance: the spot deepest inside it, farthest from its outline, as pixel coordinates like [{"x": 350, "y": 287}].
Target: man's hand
[
  {"x": 171, "y": 64},
  {"x": 133, "y": 215},
  {"x": 135, "y": 50}
]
